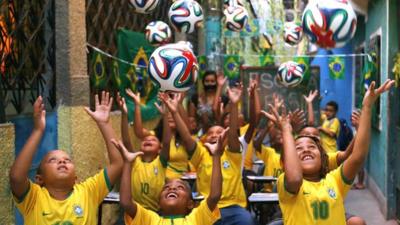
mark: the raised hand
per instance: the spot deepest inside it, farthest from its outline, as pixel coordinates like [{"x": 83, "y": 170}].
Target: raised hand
[
  {"x": 278, "y": 101},
  {"x": 217, "y": 149},
  {"x": 135, "y": 97},
  {"x": 235, "y": 93},
  {"x": 221, "y": 79},
  {"x": 355, "y": 118},
  {"x": 161, "y": 108},
  {"x": 253, "y": 86},
  {"x": 171, "y": 102},
  {"x": 102, "y": 108},
  {"x": 298, "y": 119},
  {"x": 282, "y": 121},
  {"x": 126, "y": 155},
  {"x": 372, "y": 94},
  {"x": 122, "y": 104},
  {"x": 311, "y": 96},
  {"x": 39, "y": 114}
]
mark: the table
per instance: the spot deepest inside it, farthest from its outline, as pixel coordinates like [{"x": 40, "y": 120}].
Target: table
[
  {"x": 257, "y": 180},
  {"x": 258, "y": 162},
  {"x": 264, "y": 198},
  {"x": 259, "y": 199},
  {"x": 191, "y": 179}
]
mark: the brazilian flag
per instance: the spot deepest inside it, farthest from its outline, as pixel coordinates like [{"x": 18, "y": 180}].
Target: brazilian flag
[
  {"x": 266, "y": 60},
  {"x": 369, "y": 70},
  {"x": 202, "y": 60},
  {"x": 231, "y": 67},
  {"x": 134, "y": 48},
  {"x": 336, "y": 67},
  {"x": 115, "y": 75},
  {"x": 305, "y": 63},
  {"x": 98, "y": 76}
]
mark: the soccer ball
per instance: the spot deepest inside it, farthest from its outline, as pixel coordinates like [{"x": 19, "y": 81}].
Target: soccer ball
[
  {"x": 158, "y": 33},
  {"x": 236, "y": 17},
  {"x": 329, "y": 23},
  {"x": 185, "y": 15},
  {"x": 290, "y": 74},
  {"x": 228, "y": 3},
  {"x": 144, "y": 6},
  {"x": 293, "y": 33},
  {"x": 173, "y": 67}
]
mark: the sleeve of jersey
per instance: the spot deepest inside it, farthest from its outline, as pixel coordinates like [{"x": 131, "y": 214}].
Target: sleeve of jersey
[
  {"x": 26, "y": 203},
  {"x": 143, "y": 216},
  {"x": 263, "y": 155},
  {"x": 202, "y": 215},
  {"x": 335, "y": 126},
  {"x": 332, "y": 161},
  {"x": 197, "y": 154},
  {"x": 283, "y": 194},
  {"x": 98, "y": 186},
  {"x": 342, "y": 182}
]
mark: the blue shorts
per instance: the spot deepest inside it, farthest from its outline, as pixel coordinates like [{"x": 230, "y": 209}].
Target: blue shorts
[{"x": 235, "y": 215}]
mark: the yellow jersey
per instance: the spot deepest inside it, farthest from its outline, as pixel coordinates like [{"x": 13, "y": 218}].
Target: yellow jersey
[
  {"x": 201, "y": 215},
  {"x": 249, "y": 156},
  {"x": 319, "y": 203},
  {"x": 147, "y": 181},
  {"x": 39, "y": 208},
  {"x": 329, "y": 143},
  {"x": 178, "y": 162},
  {"x": 272, "y": 162},
  {"x": 332, "y": 161},
  {"x": 232, "y": 185}
]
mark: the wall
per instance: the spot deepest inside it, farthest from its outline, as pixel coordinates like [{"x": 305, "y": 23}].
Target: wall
[{"x": 7, "y": 146}]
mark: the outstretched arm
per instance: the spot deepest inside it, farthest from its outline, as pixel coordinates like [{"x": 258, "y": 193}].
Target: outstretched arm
[
  {"x": 343, "y": 155},
  {"x": 310, "y": 110},
  {"x": 125, "y": 194},
  {"x": 124, "y": 123},
  {"x": 254, "y": 108},
  {"x": 172, "y": 104},
  {"x": 233, "y": 134},
  {"x": 216, "y": 151},
  {"x": 101, "y": 116},
  {"x": 361, "y": 145},
  {"x": 291, "y": 163},
  {"x": 20, "y": 168},
  {"x": 138, "y": 128},
  {"x": 221, "y": 80},
  {"x": 166, "y": 135}
]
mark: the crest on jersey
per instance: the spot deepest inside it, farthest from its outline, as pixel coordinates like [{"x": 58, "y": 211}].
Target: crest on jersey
[
  {"x": 78, "y": 211},
  {"x": 226, "y": 164},
  {"x": 155, "y": 171},
  {"x": 332, "y": 193}
]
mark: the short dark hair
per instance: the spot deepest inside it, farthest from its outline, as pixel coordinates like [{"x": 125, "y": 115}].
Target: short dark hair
[
  {"x": 209, "y": 72},
  {"x": 333, "y": 104}
]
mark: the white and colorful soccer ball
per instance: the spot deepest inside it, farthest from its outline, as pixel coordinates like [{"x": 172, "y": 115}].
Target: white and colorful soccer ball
[
  {"x": 290, "y": 74},
  {"x": 235, "y": 17},
  {"x": 158, "y": 33},
  {"x": 228, "y": 3},
  {"x": 329, "y": 23},
  {"x": 173, "y": 67},
  {"x": 144, "y": 6},
  {"x": 185, "y": 15},
  {"x": 293, "y": 33}
]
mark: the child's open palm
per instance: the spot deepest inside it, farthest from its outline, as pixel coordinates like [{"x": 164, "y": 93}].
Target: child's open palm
[
  {"x": 311, "y": 96},
  {"x": 126, "y": 155},
  {"x": 372, "y": 94},
  {"x": 102, "y": 108},
  {"x": 217, "y": 149},
  {"x": 39, "y": 114},
  {"x": 135, "y": 97},
  {"x": 170, "y": 100},
  {"x": 122, "y": 104},
  {"x": 235, "y": 93}
]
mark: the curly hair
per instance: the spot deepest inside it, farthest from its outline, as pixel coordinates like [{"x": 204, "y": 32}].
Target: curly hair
[{"x": 324, "y": 156}]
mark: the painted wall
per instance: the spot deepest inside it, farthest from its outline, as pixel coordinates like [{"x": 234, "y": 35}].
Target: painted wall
[{"x": 336, "y": 90}]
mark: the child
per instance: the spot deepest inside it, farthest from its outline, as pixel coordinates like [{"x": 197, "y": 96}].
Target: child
[
  {"x": 233, "y": 199},
  {"x": 330, "y": 127},
  {"x": 178, "y": 162},
  {"x": 148, "y": 170},
  {"x": 176, "y": 204},
  {"x": 55, "y": 198},
  {"x": 307, "y": 193}
]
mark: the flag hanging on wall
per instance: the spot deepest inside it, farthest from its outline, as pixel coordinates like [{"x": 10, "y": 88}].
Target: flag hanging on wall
[
  {"x": 231, "y": 67},
  {"x": 98, "y": 76},
  {"x": 266, "y": 60},
  {"x": 133, "y": 47},
  {"x": 202, "y": 60},
  {"x": 336, "y": 67}
]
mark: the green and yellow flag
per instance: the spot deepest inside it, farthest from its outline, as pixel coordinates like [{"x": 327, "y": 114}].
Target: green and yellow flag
[
  {"x": 305, "y": 63},
  {"x": 231, "y": 67},
  {"x": 98, "y": 76},
  {"x": 266, "y": 60},
  {"x": 202, "y": 60},
  {"x": 336, "y": 67},
  {"x": 134, "y": 48}
]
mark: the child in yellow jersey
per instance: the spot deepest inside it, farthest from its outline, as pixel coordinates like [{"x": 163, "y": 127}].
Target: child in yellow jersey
[
  {"x": 178, "y": 162},
  {"x": 176, "y": 204},
  {"x": 148, "y": 170},
  {"x": 55, "y": 198},
  {"x": 308, "y": 194},
  {"x": 233, "y": 200},
  {"x": 330, "y": 127}
]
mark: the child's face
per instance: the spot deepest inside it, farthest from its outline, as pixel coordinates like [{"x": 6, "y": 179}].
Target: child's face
[
  {"x": 309, "y": 155},
  {"x": 311, "y": 131},
  {"x": 175, "y": 198},
  {"x": 57, "y": 166},
  {"x": 192, "y": 124},
  {"x": 150, "y": 145},
  {"x": 213, "y": 133},
  {"x": 330, "y": 112},
  {"x": 276, "y": 136}
]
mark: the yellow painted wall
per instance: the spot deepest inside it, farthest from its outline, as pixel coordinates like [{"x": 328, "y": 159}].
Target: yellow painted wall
[{"x": 7, "y": 138}]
